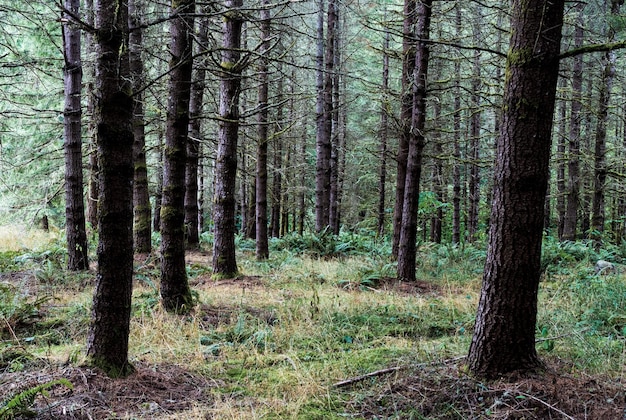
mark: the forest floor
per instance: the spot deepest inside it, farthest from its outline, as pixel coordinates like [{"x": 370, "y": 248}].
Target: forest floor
[{"x": 291, "y": 341}]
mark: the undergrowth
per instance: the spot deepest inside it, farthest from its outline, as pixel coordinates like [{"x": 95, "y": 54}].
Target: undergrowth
[{"x": 324, "y": 308}]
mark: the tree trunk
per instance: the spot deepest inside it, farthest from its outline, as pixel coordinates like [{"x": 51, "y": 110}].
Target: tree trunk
[
  {"x": 334, "y": 36},
  {"x": 323, "y": 116},
  {"x": 77, "y": 258},
  {"x": 93, "y": 188},
  {"x": 408, "y": 233},
  {"x": 107, "y": 342},
  {"x": 456, "y": 168},
  {"x": 437, "y": 174},
  {"x": 224, "y": 260},
  {"x": 192, "y": 213},
  {"x": 158, "y": 195},
  {"x": 560, "y": 169},
  {"x": 408, "y": 64},
  {"x": 600, "y": 167},
  {"x": 141, "y": 197},
  {"x": 475, "y": 121},
  {"x": 570, "y": 221},
  {"x": 504, "y": 334},
  {"x": 262, "y": 243},
  {"x": 384, "y": 135},
  {"x": 175, "y": 292}
]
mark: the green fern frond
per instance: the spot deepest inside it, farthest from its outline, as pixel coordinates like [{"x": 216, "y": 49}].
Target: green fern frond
[{"x": 20, "y": 403}]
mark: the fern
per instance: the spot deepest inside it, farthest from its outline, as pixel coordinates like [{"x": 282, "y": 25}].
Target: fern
[{"x": 20, "y": 404}]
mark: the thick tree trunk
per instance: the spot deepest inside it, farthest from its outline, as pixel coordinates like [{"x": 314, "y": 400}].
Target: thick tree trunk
[
  {"x": 504, "y": 334},
  {"x": 570, "y": 221},
  {"x": 408, "y": 64},
  {"x": 192, "y": 212},
  {"x": 262, "y": 243},
  {"x": 408, "y": 233},
  {"x": 75, "y": 233},
  {"x": 224, "y": 260},
  {"x": 325, "y": 62},
  {"x": 141, "y": 197},
  {"x": 107, "y": 342},
  {"x": 175, "y": 292}
]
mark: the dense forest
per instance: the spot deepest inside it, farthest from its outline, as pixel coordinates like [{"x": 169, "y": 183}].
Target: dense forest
[{"x": 167, "y": 148}]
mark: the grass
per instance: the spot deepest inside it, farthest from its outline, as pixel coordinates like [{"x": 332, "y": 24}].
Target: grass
[{"x": 275, "y": 341}]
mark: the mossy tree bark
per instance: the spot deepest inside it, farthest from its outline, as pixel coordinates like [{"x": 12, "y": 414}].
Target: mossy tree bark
[
  {"x": 192, "y": 210},
  {"x": 107, "y": 344},
  {"x": 504, "y": 334},
  {"x": 74, "y": 201},
  {"x": 175, "y": 291},
  {"x": 141, "y": 198},
  {"x": 224, "y": 259}
]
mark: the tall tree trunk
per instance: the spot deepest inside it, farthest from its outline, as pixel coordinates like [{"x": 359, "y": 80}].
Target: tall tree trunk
[
  {"x": 262, "y": 243},
  {"x": 325, "y": 56},
  {"x": 384, "y": 134},
  {"x": 600, "y": 167},
  {"x": 175, "y": 291},
  {"x": 560, "y": 168},
  {"x": 302, "y": 181},
  {"x": 224, "y": 260},
  {"x": 93, "y": 188},
  {"x": 141, "y": 196},
  {"x": 504, "y": 332},
  {"x": 475, "y": 122},
  {"x": 334, "y": 36},
  {"x": 573, "y": 185},
  {"x": 406, "y": 109},
  {"x": 278, "y": 205},
  {"x": 192, "y": 213},
  {"x": 107, "y": 342},
  {"x": 408, "y": 233},
  {"x": 75, "y": 232},
  {"x": 456, "y": 168},
  {"x": 437, "y": 174}
]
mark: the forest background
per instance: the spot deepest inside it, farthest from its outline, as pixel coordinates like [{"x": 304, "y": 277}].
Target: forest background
[{"x": 468, "y": 48}]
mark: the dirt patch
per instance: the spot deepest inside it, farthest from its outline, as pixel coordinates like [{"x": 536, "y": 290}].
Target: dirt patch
[
  {"x": 444, "y": 392},
  {"x": 150, "y": 392}
]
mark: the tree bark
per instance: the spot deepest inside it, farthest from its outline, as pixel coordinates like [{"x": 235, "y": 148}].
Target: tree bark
[
  {"x": 175, "y": 291},
  {"x": 456, "y": 168},
  {"x": 75, "y": 231},
  {"x": 323, "y": 115},
  {"x": 570, "y": 221},
  {"x": 107, "y": 342},
  {"x": 475, "y": 122},
  {"x": 192, "y": 169},
  {"x": 600, "y": 166},
  {"x": 408, "y": 232},
  {"x": 93, "y": 188},
  {"x": 504, "y": 333},
  {"x": 141, "y": 196},
  {"x": 262, "y": 243},
  {"x": 384, "y": 134},
  {"x": 406, "y": 109},
  {"x": 224, "y": 260}
]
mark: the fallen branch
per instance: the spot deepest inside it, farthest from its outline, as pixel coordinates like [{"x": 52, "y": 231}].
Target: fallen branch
[
  {"x": 369, "y": 375},
  {"x": 380, "y": 372}
]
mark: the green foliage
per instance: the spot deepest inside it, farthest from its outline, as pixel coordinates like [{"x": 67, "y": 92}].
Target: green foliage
[
  {"x": 20, "y": 404},
  {"x": 16, "y": 309},
  {"x": 327, "y": 245},
  {"x": 246, "y": 331}
]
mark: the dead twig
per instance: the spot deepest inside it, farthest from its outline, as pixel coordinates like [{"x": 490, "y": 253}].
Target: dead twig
[{"x": 380, "y": 372}]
